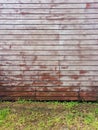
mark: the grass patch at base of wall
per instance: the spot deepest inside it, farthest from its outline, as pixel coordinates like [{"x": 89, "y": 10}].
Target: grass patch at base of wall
[{"x": 32, "y": 115}]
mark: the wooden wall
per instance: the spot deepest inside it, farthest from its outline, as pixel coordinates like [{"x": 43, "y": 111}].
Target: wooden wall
[{"x": 49, "y": 49}]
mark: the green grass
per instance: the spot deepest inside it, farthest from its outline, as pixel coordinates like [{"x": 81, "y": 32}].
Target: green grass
[
  {"x": 3, "y": 114},
  {"x": 28, "y": 115},
  {"x": 23, "y": 101}
]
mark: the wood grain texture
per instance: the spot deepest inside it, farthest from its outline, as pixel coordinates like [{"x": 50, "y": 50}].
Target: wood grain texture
[{"x": 49, "y": 49}]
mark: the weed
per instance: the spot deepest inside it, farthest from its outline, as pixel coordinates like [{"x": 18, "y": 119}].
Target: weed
[
  {"x": 56, "y": 103},
  {"x": 69, "y": 118},
  {"x": 89, "y": 118},
  {"x": 3, "y": 114},
  {"x": 70, "y": 105},
  {"x": 22, "y": 101},
  {"x": 96, "y": 110}
]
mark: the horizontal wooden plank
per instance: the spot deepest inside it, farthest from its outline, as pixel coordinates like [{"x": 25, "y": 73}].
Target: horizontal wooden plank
[
  {"x": 57, "y": 89},
  {"x": 79, "y": 59},
  {"x": 86, "y": 83},
  {"x": 50, "y": 27},
  {"x": 75, "y": 72},
  {"x": 14, "y": 98},
  {"x": 73, "y": 63},
  {"x": 46, "y": 48},
  {"x": 89, "y": 94},
  {"x": 34, "y": 58},
  {"x": 50, "y": 5},
  {"x": 47, "y": 37},
  {"x": 45, "y": 11},
  {"x": 54, "y": 73},
  {"x": 44, "y": 52},
  {"x": 78, "y": 78},
  {"x": 10, "y": 94},
  {"x": 56, "y": 94},
  {"x": 57, "y": 98},
  {"x": 58, "y": 83},
  {"x": 49, "y": 17},
  {"x": 14, "y": 68},
  {"x": 48, "y": 1},
  {"x": 71, "y": 78},
  {"x": 89, "y": 89},
  {"x": 50, "y": 63},
  {"x": 57, "y": 21},
  {"x": 50, "y": 89},
  {"x": 60, "y": 46},
  {"x": 86, "y": 98},
  {"x": 67, "y": 98},
  {"x": 17, "y": 89},
  {"x": 33, "y": 68},
  {"x": 19, "y": 78},
  {"x": 18, "y": 83},
  {"x": 26, "y": 72},
  {"x": 8, "y": 43},
  {"x": 22, "y": 33},
  {"x": 78, "y": 68},
  {"x": 39, "y": 5},
  {"x": 55, "y": 57},
  {"x": 29, "y": 72}
]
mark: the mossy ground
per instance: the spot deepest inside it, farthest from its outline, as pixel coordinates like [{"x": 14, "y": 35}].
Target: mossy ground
[{"x": 52, "y": 115}]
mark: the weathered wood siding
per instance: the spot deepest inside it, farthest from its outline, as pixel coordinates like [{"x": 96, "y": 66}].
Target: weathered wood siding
[{"x": 49, "y": 49}]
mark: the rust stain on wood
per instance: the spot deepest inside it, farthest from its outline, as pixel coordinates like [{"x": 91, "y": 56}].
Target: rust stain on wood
[{"x": 88, "y": 5}]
